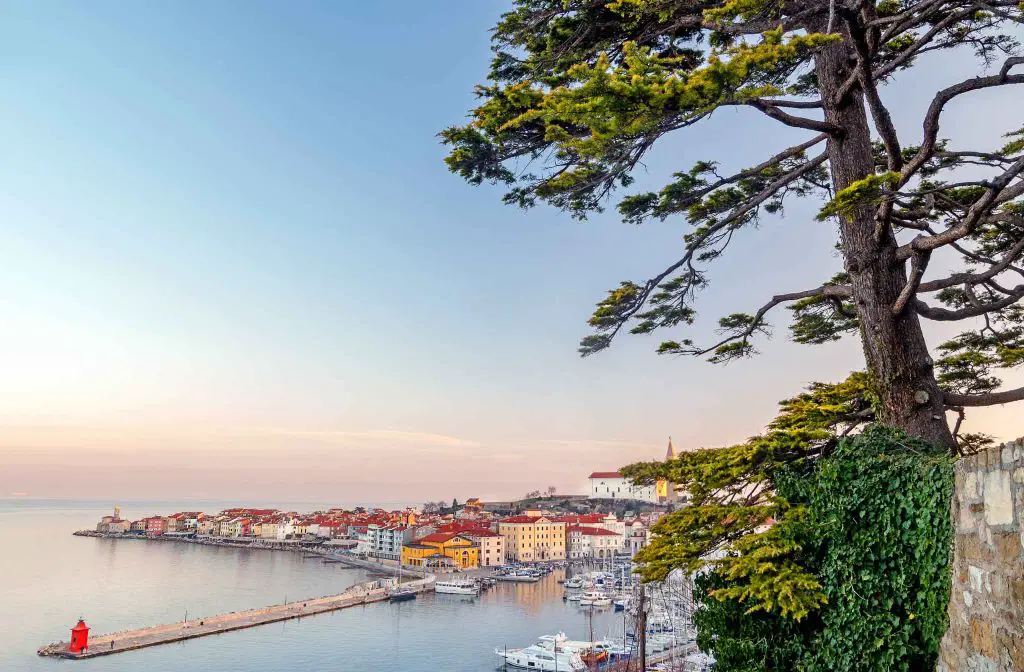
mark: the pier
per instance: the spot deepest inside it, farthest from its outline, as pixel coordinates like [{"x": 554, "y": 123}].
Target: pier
[{"x": 130, "y": 640}]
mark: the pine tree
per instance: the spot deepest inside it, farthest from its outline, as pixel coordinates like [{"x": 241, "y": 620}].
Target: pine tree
[{"x": 580, "y": 91}]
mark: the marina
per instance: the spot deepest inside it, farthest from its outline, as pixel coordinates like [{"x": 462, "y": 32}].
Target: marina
[
  {"x": 130, "y": 640},
  {"x": 480, "y": 614}
]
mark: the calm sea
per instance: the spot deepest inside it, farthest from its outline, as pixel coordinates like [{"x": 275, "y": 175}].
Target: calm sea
[{"x": 48, "y": 579}]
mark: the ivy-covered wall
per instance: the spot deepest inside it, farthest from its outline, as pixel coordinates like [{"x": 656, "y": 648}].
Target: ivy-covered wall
[
  {"x": 986, "y": 606},
  {"x": 874, "y": 528}
]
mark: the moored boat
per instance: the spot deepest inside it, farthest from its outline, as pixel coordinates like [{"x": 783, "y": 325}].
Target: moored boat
[
  {"x": 539, "y": 658},
  {"x": 594, "y": 598},
  {"x": 457, "y": 587},
  {"x": 401, "y": 595}
]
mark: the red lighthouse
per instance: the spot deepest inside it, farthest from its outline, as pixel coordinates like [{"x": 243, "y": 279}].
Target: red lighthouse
[{"x": 79, "y": 638}]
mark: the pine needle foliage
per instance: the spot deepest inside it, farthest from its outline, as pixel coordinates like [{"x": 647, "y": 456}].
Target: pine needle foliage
[
  {"x": 733, "y": 496},
  {"x": 580, "y": 92}
]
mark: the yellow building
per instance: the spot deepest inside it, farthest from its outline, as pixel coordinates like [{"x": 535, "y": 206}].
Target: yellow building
[
  {"x": 532, "y": 538},
  {"x": 441, "y": 550}
]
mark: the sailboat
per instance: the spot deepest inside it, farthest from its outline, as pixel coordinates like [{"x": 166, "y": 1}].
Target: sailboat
[{"x": 399, "y": 594}]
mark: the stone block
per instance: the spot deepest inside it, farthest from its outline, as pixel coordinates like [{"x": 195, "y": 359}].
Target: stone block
[
  {"x": 1007, "y": 454},
  {"x": 998, "y": 495},
  {"x": 1017, "y": 591},
  {"x": 976, "y": 576},
  {"x": 1018, "y": 474},
  {"x": 981, "y": 638},
  {"x": 971, "y": 491},
  {"x": 966, "y": 520},
  {"x": 1008, "y": 549},
  {"x": 977, "y": 663},
  {"x": 1016, "y": 651}
]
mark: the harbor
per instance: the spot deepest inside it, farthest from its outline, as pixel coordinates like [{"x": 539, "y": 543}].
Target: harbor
[
  {"x": 453, "y": 632},
  {"x": 581, "y": 558},
  {"x": 131, "y": 640}
]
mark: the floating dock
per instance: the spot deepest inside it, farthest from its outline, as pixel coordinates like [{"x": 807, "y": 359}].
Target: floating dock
[{"x": 130, "y": 640}]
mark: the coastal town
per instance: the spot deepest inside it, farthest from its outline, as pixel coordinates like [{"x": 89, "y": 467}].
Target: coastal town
[
  {"x": 463, "y": 536},
  {"x": 588, "y": 541}
]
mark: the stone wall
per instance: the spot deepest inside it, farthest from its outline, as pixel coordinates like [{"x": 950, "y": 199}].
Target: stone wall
[{"x": 986, "y": 608}]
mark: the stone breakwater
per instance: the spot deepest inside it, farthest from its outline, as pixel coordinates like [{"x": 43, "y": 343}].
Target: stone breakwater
[
  {"x": 130, "y": 640},
  {"x": 986, "y": 606}
]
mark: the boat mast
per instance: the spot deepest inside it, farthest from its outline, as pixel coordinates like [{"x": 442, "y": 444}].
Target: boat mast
[{"x": 641, "y": 627}]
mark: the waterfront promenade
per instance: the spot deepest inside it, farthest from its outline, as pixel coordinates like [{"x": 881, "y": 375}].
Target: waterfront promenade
[
  {"x": 140, "y": 638},
  {"x": 129, "y": 640}
]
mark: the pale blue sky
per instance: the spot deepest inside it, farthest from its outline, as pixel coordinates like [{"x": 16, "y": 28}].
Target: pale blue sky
[{"x": 228, "y": 237}]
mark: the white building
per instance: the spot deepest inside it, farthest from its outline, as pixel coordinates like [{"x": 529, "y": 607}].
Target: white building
[
  {"x": 611, "y": 485},
  {"x": 592, "y": 542},
  {"x": 638, "y": 536},
  {"x": 386, "y": 541}
]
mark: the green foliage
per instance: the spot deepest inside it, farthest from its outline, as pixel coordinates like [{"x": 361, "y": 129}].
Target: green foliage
[
  {"x": 1015, "y": 146},
  {"x": 580, "y": 92},
  {"x": 868, "y": 191},
  {"x": 732, "y": 498},
  {"x": 880, "y": 506},
  {"x": 743, "y": 641},
  {"x": 871, "y": 522},
  {"x": 821, "y": 319},
  {"x": 970, "y": 359}
]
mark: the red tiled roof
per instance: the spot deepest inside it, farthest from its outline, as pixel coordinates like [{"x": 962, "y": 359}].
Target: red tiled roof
[
  {"x": 606, "y": 474},
  {"x": 439, "y": 537},
  {"x": 464, "y": 526},
  {"x": 481, "y": 533},
  {"x": 521, "y": 519},
  {"x": 585, "y": 518}
]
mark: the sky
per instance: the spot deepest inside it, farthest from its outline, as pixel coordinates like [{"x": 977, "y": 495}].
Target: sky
[{"x": 235, "y": 266}]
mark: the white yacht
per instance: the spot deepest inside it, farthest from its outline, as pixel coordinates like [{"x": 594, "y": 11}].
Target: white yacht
[
  {"x": 575, "y": 582},
  {"x": 593, "y": 598},
  {"x": 562, "y": 643},
  {"x": 457, "y": 587},
  {"x": 539, "y": 658}
]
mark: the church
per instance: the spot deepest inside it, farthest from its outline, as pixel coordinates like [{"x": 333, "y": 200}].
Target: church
[{"x": 611, "y": 485}]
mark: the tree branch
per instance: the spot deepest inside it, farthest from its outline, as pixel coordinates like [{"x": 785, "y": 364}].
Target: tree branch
[
  {"x": 992, "y": 196},
  {"x": 918, "y": 264},
  {"x": 827, "y": 291},
  {"x": 988, "y": 399},
  {"x": 975, "y": 278},
  {"x": 768, "y": 108},
  {"x": 931, "y": 119},
  {"x": 946, "y": 315}
]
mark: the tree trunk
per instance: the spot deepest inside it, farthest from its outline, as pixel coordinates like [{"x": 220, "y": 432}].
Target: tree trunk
[{"x": 894, "y": 345}]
